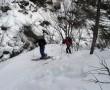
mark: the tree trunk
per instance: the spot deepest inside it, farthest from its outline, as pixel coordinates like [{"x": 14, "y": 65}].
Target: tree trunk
[{"x": 95, "y": 30}]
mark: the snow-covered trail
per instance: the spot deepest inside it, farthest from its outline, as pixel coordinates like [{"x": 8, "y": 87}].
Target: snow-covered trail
[{"x": 64, "y": 72}]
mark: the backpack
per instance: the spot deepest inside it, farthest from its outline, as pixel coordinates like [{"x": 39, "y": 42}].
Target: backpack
[{"x": 70, "y": 40}]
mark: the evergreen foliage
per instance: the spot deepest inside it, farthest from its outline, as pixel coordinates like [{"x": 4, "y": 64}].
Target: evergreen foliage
[{"x": 40, "y": 3}]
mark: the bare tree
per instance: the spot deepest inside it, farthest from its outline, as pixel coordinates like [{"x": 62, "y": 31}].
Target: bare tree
[{"x": 96, "y": 27}]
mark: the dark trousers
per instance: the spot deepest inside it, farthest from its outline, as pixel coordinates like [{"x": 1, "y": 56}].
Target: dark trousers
[
  {"x": 68, "y": 50},
  {"x": 42, "y": 49}
]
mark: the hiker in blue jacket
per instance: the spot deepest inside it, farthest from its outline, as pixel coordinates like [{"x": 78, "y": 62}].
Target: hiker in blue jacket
[{"x": 42, "y": 43}]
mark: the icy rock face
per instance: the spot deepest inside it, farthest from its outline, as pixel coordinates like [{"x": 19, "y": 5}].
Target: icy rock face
[
  {"x": 13, "y": 42},
  {"x": 12, "y": 38}
]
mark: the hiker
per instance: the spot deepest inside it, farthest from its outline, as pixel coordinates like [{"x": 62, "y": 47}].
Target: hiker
[
  {"x": 42, "y": 43},
  {"x": 68, "y": 42}
]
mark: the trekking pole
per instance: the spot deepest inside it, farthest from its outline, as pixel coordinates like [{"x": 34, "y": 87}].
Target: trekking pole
[
  {"x": 33, "y": 54},
  {"x": 72, "y": 49}
]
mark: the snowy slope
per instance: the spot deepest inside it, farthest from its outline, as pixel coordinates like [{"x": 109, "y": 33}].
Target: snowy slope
[{"x": 63, "y": 72}]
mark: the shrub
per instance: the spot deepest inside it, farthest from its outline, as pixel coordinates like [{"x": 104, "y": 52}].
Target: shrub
[{"x": 5, "y": 8}]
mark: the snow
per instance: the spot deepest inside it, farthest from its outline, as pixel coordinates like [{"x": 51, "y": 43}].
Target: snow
[{"x": 63, "y": 72}]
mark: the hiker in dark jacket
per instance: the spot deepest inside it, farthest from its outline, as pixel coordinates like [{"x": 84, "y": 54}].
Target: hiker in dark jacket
[
  {"x": 68, "y": 42},
  {"x": 42, "y": 43}
]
